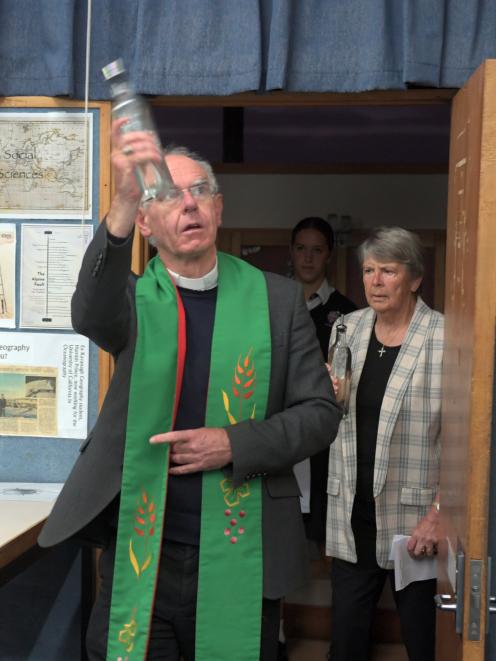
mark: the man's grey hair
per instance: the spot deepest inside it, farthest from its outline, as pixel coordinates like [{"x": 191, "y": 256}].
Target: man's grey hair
[
  {"x": 177, "y": 150},
  {"x": 394, "y": 244}
]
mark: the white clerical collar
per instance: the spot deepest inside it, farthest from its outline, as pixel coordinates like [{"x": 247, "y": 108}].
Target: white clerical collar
[
  {"x": 205, "y": 282},
  {"x": 321, "y": 296}
]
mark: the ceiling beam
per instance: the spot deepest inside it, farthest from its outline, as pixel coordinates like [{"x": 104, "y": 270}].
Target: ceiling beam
[{"x": 430, "y": 96}]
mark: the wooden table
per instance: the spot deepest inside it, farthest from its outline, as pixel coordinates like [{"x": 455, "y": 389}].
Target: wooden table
[{"x": 20, "y": 525}]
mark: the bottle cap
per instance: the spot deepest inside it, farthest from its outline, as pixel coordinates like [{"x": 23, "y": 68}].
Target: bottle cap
[{"x": 113, "y": 69}]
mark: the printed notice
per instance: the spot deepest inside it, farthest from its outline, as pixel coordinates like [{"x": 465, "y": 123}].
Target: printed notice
[
  {"x": 45, "y": 165},
  {"x": 51, "y": 257},
  {"x": 7, "y": 275},
  {"x": 43, "y": 385}
]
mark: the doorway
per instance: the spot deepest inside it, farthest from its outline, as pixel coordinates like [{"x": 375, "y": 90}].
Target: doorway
[{"x": 281, "y": 157}]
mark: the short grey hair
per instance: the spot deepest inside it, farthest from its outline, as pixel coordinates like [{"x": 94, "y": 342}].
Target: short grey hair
[
  {"x": 394, "y": 244},
  {"x": 178, "y": 150}
]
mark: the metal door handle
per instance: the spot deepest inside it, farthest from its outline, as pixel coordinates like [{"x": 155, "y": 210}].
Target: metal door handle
[
  {"x": 454, "y": 603},
  {"x": 444, "y": 602}
]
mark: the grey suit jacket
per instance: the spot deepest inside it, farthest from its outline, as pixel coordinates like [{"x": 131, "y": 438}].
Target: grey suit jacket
[{"x": 302, "y": 417}]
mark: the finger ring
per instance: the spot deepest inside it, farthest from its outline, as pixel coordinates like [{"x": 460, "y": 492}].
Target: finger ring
[{"x": 127, "y": 150}]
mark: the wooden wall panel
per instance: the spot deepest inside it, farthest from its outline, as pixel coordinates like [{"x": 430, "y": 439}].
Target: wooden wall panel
[{"x": 269, "y": 249}]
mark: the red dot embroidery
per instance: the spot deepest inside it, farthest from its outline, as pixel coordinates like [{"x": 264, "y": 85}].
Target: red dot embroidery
[
  {"x": 227, "y": 512},
  {"x": 242, "y": 513},
  {"x": 233, "y": 522},
  {"x": 241, "y": 531},
  {"x": 227, "y": 532},
  {"x": 234, "y": 540}
]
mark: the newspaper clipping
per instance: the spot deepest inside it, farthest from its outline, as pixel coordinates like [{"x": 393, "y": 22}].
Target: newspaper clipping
[
  {"x": 43, "y": 385},
  {"x": 28, "y": 398}
]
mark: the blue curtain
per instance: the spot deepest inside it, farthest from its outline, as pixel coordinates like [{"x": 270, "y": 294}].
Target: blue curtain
[{"x": 228, "y": 46}]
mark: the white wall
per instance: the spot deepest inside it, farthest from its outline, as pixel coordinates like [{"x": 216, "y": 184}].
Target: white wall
[{"x": 408, "y": 200}]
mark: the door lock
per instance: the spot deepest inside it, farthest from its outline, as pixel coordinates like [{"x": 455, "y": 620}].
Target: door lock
[
  {"x": 444, "y": 602},
  {"x": 454, "y": 603}
]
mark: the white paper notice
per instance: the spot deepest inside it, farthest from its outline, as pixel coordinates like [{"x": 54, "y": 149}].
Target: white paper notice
[
  {"x": 46, "y": 165},
  {"x": 50, "y": 263},
  {"x": 43, "y": 385},
  {"x": 7, "y": 275},
  {"x": 407, "y": 569}
]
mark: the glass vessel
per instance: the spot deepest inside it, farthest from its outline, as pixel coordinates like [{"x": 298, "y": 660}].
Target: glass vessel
[
  {"x": 154, "y": 180},
  {"x": 339, "y": 360}
]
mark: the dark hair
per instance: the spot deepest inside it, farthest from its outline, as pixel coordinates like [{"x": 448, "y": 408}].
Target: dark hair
[{"x": 314, "y": 223}]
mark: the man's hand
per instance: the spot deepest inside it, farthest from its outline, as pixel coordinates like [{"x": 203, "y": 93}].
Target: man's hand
[
  {"x": 194, "y": 450},
  {"x": 129, "y": 150},
  {"x": 425, "y": 536}
]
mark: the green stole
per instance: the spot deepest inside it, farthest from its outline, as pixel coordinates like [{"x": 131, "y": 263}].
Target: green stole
[{"x": 228, "y": 618}]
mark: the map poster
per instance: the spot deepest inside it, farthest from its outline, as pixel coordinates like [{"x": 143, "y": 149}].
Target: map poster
[
  {"x": 51, "y": 257},
  {"x": 7, "y": 275},
  {"x": 46, "y": 165},
  {"x": 43, "y": 384}
]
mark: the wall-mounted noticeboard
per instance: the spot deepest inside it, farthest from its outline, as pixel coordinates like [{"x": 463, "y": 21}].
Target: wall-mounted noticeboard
[{"x": 55, "y": 186}]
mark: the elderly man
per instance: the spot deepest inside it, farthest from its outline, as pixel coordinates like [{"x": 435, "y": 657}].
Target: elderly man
[{"x": 219, "y": 389}]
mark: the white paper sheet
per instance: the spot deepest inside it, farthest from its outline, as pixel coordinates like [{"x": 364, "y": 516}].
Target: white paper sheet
[
  {"x": 407, "y": 569},
  {"x": 51, "y": 257},
  {"x": 7, "y": 275}
]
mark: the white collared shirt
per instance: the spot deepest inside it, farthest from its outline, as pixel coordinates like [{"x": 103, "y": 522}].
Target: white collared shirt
[{"x": 321, "y": 296}]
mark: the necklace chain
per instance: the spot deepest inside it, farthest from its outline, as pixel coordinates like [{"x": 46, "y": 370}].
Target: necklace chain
[{"x": 398, "y": 332}]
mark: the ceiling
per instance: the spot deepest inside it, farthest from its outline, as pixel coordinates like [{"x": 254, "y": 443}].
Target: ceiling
[{"x": 357, "y": 138}]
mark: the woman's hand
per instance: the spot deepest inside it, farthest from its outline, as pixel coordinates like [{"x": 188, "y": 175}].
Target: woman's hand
[
  {"x": 425, "y": 536},
  {"x": 334, "y": 380}
]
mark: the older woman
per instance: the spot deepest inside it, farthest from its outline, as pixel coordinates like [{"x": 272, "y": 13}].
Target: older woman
[{"x": 384, "y": 464}]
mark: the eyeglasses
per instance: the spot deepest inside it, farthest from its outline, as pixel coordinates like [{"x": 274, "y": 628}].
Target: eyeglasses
[{"x": 199, "y": 191}]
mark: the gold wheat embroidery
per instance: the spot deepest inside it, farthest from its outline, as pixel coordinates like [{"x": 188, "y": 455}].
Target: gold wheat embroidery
[{"x": 243, "y": 387}]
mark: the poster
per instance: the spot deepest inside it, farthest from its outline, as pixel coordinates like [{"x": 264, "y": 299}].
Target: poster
[
  {"x": 7, "y": 275},
  {"x": 43, "y": 385},
  {"x": 46, "y": 165},
  {"x": 51, "y": 257}
]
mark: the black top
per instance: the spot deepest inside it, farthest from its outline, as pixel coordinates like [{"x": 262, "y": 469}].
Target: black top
[
  {"x": 370, "y": 393},
  {"x": 183, "y": 511},
  {"x": 324, "y": 316}
]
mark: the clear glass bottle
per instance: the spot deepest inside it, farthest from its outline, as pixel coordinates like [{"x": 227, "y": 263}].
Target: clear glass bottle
[
  {"x": 340, "y": 361},
  {"x": 154, "y": 180}
]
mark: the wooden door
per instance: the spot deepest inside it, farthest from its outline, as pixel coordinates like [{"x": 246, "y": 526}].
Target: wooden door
[{"x": 470, "y": 309}]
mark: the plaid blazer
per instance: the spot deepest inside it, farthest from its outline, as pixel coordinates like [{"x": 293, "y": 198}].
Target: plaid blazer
[{"x": 406, "y": 471}]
